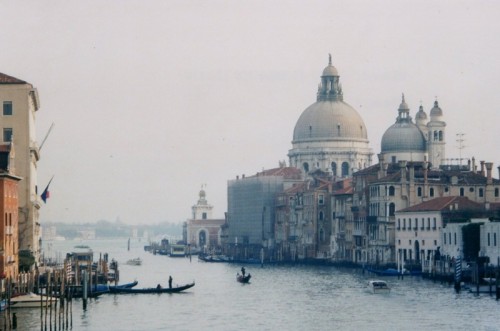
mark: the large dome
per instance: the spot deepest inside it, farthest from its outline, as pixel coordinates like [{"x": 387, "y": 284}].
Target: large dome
[{"x": 327, "y": 120}]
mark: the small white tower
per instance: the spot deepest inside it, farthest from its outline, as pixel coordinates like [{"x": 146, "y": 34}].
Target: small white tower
[
  {"x": 436, "y": 140},
  {"x": 202, "y": 210}
]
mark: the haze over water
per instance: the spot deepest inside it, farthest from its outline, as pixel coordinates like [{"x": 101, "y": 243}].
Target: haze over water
[{"x": 278, "y": 298}]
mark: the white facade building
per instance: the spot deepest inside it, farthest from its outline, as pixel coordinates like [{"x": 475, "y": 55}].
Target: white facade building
[{"x": 330, "y": 135}]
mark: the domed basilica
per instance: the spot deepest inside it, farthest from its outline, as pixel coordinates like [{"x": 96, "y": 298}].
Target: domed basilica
[{"x": 330, "y": 135}]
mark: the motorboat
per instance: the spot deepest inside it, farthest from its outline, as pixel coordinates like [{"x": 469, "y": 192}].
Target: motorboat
[
  {"x": 31, "y": 300},
  {"x": 378, "y": 287},
  {"x": 136, "y": 261}
]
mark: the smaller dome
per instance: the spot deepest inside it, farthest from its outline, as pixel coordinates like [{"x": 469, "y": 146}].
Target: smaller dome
[
  {"x": 403, "y": 137},
  {"x": 436, "y": 111},
  {"x": 421, "y": 115},
  {"x": 330, "y": 71},
  {"x": 403, "y": 105}
]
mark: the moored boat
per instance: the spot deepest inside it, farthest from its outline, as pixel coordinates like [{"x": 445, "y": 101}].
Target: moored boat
[
  {"x": 378, "y": 287},
  {"x": 157, "y": 289},
  {"x": 31, "y": 300}
]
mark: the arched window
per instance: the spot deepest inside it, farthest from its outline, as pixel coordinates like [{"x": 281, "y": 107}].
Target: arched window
[
  {"x": 419, "y": 191},
  {"x": 305, "y": 165},
  {"x": 431, "y": 192},
  {"x": 345, "y": 169},
  {"x": 481, "y": 192},
  {"x": 462, "y": 191},
  {"x": 334, "y": 168},
  {"x": 321, "y": 216},
  {"x": 392, "y": 191},
  {"x": 392, "y": 209},
  {"x": 435, "y": 135},
  {"x": 440, "y": 135}
]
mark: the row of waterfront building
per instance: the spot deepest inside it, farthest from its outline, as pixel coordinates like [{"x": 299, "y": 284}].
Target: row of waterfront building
[{"x": 332, "y": 203}]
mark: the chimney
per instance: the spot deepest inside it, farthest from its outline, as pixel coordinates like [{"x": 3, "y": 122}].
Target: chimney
[
  {"x": 482, "y": 168},
  {"x": 489, "y": 167},
  {"x": 473, "y": 165}
]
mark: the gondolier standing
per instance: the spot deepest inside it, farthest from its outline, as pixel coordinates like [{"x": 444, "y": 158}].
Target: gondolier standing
[
  {"x": 243, "y": 271},
  {"x": 169, "y": 281}
]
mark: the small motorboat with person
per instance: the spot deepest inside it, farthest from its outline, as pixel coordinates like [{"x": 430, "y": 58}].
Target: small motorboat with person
[
  {"x": 378, "y": 287},
  {"x": 136, "y": 261}
]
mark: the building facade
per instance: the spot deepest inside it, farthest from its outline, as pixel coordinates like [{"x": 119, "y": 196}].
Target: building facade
[
  {"x": 251, "y": 211},
  {"x": 203, "y": 231},
  {"x": 9, "y": 207},
  {"x": 20, "y": 103}
]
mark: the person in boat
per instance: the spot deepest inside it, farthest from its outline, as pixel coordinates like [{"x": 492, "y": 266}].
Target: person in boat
[
  {"x": 169, "y": 281},
  {"x": 158, "y": 287},
  {"x": 243, "y": 271}
]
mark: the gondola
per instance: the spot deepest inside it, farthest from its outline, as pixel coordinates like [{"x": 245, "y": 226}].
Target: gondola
[
  {"x": 243, "y": 279},
  {"x": 157, "y": 289}
]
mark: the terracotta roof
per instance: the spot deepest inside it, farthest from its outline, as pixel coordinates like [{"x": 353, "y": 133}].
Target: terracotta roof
[
  {"x": 286, "y": 172},
  {"x": 6, "y": 79},
  {"x": 444, "y": 203},
  {"x": 346, "y": 190}
]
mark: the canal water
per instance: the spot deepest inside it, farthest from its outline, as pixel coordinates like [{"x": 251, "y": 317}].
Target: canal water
[{"x": 277, "y": 298}]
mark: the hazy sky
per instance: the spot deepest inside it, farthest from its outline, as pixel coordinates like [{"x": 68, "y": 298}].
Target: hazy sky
[{"x": 152, "y": 99}]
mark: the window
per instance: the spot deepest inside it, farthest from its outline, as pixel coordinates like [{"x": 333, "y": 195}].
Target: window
[
  {"x": 393, "y": 159},
  {"x": 434, "y": 223},
  {"x": 494, "y": 239},
  {"x": 419, "y": 191},
  {"x": 345, "y": 169},
  {"x": 392, "y": 191},
  {"x": 431, "y": 191},
  {"x": 334, "y": 168},
  {"x": 481, "y": 193},
  {"x": 497, "y": 192},
  {"x": 306, "y": 167},
  {"x": 392, "y": 209},
  {"x": 471, "y": 189},
  {"x": 320, "y": 215},
  {"x": 321, "y": 199},
  {"x": 399, "y": 224},
  {"x": 462, "y": 191},
  {"x": 488, "y": 239},
  {"x": 7, "y": 108},
  {"x": 204, "y": 216},
  {"x": 445, "y": 238},
  {"x": 7, "y": 134},
  {"x": 455, "y": 238}
]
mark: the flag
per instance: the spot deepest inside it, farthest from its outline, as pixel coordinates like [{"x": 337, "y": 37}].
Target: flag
[{"x": 46, "y": 194}]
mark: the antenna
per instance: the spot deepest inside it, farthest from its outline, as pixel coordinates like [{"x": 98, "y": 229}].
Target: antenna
[
  {"x": 46, "y": 136},
  {"x": 460, "y": 141}
]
